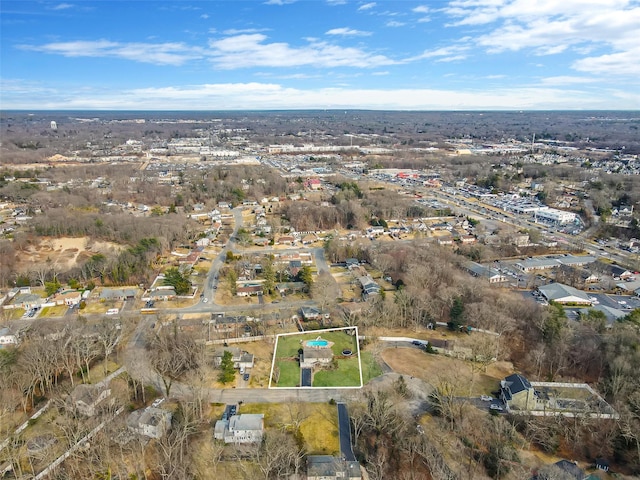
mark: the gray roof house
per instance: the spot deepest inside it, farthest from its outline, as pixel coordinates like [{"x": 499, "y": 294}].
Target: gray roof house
[
  {"x": 7, "y": 337},
  {"x": 516, "y": 392},
  {"x": 326, "y": 467},
  {"x": 151, "y": 422},
  {"x": 86, "y": 399},
  {"x": 118, "y": 293},
  {"x": 240, "y": 358},
  {"x": 243, "y": 428},
  {"x": 315, "y": 356}
]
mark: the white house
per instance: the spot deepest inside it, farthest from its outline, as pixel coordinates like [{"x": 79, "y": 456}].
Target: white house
[
  {"x": 243, "y": 428},
  {"x": 7, "y": 337},
  {"x": 239, "y": 358},
  {"x": 151, "y": 422}
]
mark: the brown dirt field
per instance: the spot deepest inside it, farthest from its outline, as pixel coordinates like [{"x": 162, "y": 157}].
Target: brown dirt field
[
  {"x": 65, "y": 252},
  {"x": 436, "y": 369}
]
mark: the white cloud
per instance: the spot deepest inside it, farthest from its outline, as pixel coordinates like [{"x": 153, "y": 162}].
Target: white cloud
[
  {"x": 620, "y": 63},
  {"x": 62, "y": 6},
  {"x": 550, "y": 27},
  {"x": 347, "y": 32},
  {"x": 244, "y": 51},
  {"x": 443, "y": 54},
  {"x": 366, "y": 6},
  {"x": 420, "y": 9},
  {"x": 239, "y": 31},
  {"x": 204, "y": 16},
  {"x": 256, "y": 95},
  {"x": 394, "y": 23},
  {"x": 566, "y": 80},
  {"x": 424, "y": 19},
  {"x": 279, "y": 2},
  {"x": 160, "y": 53},
  {"x": 336, "y": 2}
]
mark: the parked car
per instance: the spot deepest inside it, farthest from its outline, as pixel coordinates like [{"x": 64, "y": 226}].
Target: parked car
[
  {"x": 486, "y": 398},
  {"x": 494, "y": 406},
  {"x": 245, "y": 377}
]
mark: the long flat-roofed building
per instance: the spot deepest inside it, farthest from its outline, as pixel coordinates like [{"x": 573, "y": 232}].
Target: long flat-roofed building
[{"x": 560, "y": 293}]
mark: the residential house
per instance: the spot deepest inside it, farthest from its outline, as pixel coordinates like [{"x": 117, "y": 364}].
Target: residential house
[
  {"x": 294, "y": 267},
  {"x": 239, "y": 358},
  {"x": 309, "y": 239},
  {"x": 516, "y": 392},
  {"x": 564, "y": 469},
  {"x": 88, "y": 399},
  {"x": 313, "y": 183},
  {"x": 243, "y": 428},
  {"x": 248, "y": 290},
  {"x": 7, "y": 337},
  {"x": 123, "y": 293},
  {"x": 310, "y": 313},
  {"x": 375, "y": 230},
  {"x": 327, "y": 467},
  {"x": 445, "y": 240},
  {"x": 468, "y": 239},
  {"x": 285, "y": 240},
  {"x": 161, "y": 293},
  {"x": 69, "y": 298},
  {"x": 313, "y": 354},
  {"x": 27, "y": 300},
  {"x": 620, "y": 273},
  {"x": 369, "y": 286},
  {"x": 151, "y": 422},
  {"x": 284, "y": 288}
]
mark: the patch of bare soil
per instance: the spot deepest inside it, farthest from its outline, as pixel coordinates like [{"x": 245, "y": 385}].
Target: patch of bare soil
[{"x": 64, "y": 253}]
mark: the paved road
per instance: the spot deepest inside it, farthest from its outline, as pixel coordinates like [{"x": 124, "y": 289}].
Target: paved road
[{"x": 345, "y": 433}]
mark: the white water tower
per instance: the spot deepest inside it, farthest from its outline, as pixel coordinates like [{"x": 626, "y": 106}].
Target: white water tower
[{"x": 54, "y": 126}]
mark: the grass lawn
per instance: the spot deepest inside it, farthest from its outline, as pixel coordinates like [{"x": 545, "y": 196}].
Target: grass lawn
[
  {"x": 318, "y": 423},
  {"x": 370, "y": 367},
  {"x": 55, "y": 311},
  {"x": 289, "y": 345},
  {"x": 320, "y": 430},
  {"x": 439, "y": 369},
  {"x": 215, "y": 411},
  {"x": 346, "y": 375},
  {"x": 289, "y": 373},
  {"x": 14, "y": 313},
  {"x": 99, "y": 307}
]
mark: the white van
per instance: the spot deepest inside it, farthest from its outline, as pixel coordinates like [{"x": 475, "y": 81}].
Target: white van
[{"x": 113, "y": 311}]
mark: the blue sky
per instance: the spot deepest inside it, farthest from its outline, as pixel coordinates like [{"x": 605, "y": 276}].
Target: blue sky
[{"x": 294, "y": 54}]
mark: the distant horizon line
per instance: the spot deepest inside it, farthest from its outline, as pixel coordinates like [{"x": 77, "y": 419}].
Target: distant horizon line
[{"x": 345, "y": 110}]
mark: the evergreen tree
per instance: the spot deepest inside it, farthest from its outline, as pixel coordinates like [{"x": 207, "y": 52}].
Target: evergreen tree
[
  {"x": 228, "y": 372},
  {"x": 456, "y": 314}
]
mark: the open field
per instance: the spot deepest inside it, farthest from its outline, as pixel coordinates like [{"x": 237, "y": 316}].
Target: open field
[
  {"x": 55, "y": 311},
  {"x": 438, "y": 369},
  {"x": 65, "y": 252},
  {"x": 318, "y": 422},
  {"x": 370, "y": 366}
]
